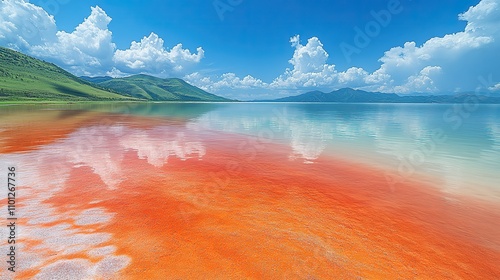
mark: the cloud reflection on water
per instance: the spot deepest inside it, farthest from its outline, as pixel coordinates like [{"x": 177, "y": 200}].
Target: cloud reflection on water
[{"x": 52, "y": 238}]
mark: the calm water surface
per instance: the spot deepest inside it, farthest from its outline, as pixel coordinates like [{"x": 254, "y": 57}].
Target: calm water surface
[
  {"x": 457, "y": 148},
  {"x": 297, "y": 183},
  {"x": 460, "y": 148}
]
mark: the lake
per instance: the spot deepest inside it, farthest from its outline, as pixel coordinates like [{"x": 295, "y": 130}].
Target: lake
[{"x": 253, "y": 190}]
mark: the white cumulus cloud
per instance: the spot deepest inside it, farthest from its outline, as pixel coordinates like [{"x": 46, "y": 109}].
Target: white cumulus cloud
[
  {"x": 23, "y": 24},
  {"x": 89, "y": 49},
  {"x": 495, "y": 87},
  {"x": 450, "y": 63},
  {"x": 460, "y": 57},
  {"x": 309, "y": 66},
  {"x": 149, "y": 55},
  {"x": 310, "y": 70},
  {"x": 225, "y": 81}
]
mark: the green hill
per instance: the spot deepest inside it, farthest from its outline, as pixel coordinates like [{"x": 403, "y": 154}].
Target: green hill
[
  {"x": 23, "y": 78},
  {"x": 152, "y": 88}
]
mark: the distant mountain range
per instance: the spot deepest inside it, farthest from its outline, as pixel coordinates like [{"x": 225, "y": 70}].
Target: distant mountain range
[
  {"x": 96, "y": 80},
  {"x": 348, "y": 95},
  {"x": 24, "y": 78}
]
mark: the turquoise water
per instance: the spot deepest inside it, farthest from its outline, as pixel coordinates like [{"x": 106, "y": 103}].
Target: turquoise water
[
  {"x": 456, "y": 147},
  {"x": 277, "y": 184}
]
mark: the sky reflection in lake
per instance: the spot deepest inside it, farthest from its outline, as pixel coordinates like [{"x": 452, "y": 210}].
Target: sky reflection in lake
[{"x": 234, "y": 189}]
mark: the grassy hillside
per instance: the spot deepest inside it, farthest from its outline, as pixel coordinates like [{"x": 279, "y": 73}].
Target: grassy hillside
[
  {"x": 152, "y": 88},
  {"x": 23, "y": 78}
]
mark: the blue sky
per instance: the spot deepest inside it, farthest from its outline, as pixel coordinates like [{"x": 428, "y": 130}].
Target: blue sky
[{"x": 243, "y": 49}]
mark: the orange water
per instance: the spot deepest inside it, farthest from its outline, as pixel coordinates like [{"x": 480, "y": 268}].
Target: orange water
[{"x": 245, "y": 210}]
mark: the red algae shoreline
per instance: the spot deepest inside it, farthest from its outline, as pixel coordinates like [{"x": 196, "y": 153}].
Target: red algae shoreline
[{"x": 257, "y": 214}]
